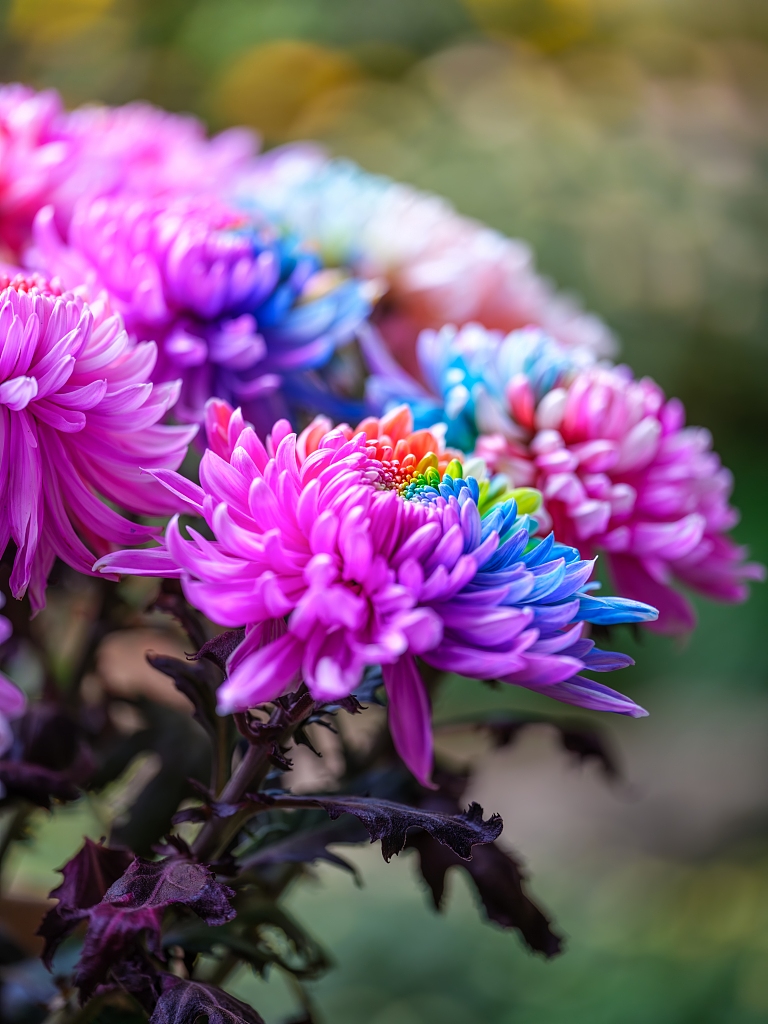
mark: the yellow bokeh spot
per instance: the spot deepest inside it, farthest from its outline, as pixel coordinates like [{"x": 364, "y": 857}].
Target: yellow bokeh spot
[
  {"x": 52, "y": 21},
  {"x": 551, "y": 25},
  {"x": 272, "y": 86}
]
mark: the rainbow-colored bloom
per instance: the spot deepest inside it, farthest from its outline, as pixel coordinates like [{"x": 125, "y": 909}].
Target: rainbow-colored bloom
[
  {"x": 438, "y": 266},
  {"x": 238, "y": 312},
  {"x": 339, "y": 552},
  {"x": 619, "y": 470},
  {"x": 79, "y": 421}
]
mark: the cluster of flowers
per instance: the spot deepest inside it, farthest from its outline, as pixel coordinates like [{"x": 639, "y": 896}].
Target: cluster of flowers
[{"x": 156, "y": 280}]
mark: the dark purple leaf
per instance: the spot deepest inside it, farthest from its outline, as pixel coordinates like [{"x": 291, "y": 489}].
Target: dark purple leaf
[
  {"x": 219, "y": 648},
  {"x": 33, "y": 782},
  {"x": 113, "y": 934},
  {"x": 390, "y": 821},
  {"x": 309, "y": 845},
  {"x": 86, "y": 878},
  {"x": 137, "y": 976},
  {"x": 172, "y": 601},
  {"x": 499, "y": 883},
  {"x": 134, "y": 904},
  {"x": 149, "y": 885},
  {"x": 183, "y": 1002},
  {"x": 195, "y": 682},
  {"x": 263, "y": 933}
]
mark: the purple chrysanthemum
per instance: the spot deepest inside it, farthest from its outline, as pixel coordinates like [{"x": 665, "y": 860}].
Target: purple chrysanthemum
[
  {"x": 338, "y": 554},
  {"x": 235, "y": 309},
  {"x": 79, "y": 420}
]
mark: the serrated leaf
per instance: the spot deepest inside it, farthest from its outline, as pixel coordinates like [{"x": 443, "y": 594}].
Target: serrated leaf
[
  {"x": 390, "y": 822},
  {"x": 499, "y": 882}
]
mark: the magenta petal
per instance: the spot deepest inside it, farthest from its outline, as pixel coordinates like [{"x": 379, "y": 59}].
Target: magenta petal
[{"x": 410, "y": 717}]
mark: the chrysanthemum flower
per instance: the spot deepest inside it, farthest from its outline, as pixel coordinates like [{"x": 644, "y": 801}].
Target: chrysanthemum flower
[
  {"x": 33, "y": 156},
  {"x": 339, "y": 553},
  {"x": 12, "y": 701},
  {"x": 619, "y": 470},
  {"x": 50, "y": 156},
  {"x": 236, "y": 311},
  {"x": 440, "y": 267},
  {"x": 79, "y": 421}
]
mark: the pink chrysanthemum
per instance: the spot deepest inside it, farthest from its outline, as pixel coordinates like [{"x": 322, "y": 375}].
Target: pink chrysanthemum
[
  {"x": 34, "y": 153},
  {"x": 79, "y": 421},
  {"x": 338, "y": 554},
  {"x": 50, "y": 156},
  {"x": 620, "y": 472},
  {"x": 146, "y": 151}
]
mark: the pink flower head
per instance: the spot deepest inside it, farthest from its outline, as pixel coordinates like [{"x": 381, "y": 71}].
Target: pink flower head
[
  {"x": 34, "y": 153},
  {"x": 340, "y": 553},
  {"x": 145, "y": 151},
  {"x": 235, "y": 309},
  {"x": 79, "y": 420},
  {"x": 12, "y": 701},
  {"x": 50, "y": 156},
  {"x": 620, "y": 472}
]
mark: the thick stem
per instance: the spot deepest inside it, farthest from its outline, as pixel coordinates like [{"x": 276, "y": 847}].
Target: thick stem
[{"x": 216, "y": 834}]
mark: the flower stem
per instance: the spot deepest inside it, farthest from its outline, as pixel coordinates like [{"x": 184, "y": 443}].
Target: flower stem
[{"x": 217, "y": 833}]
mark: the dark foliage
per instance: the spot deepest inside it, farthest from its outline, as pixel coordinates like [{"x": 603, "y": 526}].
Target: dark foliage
[
  {"x": 113, "y": 935},
  {"x": 153, "y": 905},
  {"x": 155, "y": 885},
  {"x": 183, "y": 1002},
  {"x": 195, "y": 682},
  {"x": 219, "y": 648},
  {"x": 137, "y": 976},
  {"x": 262, "y": 934},
  {"x": 496, "y": 874},
  {"x": 40, "y": 786},
  {"x": 86, "y": 878},
  {"x": 499, "y": 883},
  {"x": 307, "y": 845},
  {"x": 390, "y": 822}
]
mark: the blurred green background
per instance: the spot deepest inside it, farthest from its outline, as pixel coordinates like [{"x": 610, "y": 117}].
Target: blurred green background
[{"x": 627, "y": 141}]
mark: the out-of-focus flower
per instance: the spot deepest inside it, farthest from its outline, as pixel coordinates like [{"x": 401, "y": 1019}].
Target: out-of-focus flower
[
  {"x": 440, "y": 267},
  {"x": 79, "y": 422},
  {"x": 237, "y": 311},
  {"x": 143, "y": 150},
  {"x": 33, "y": 156},
  {"x": 619, "y": 470},
  {"x": 12, "y": 700},
  {"x": 50, "y": 156},
  {"x": 338, "y": 553}
]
